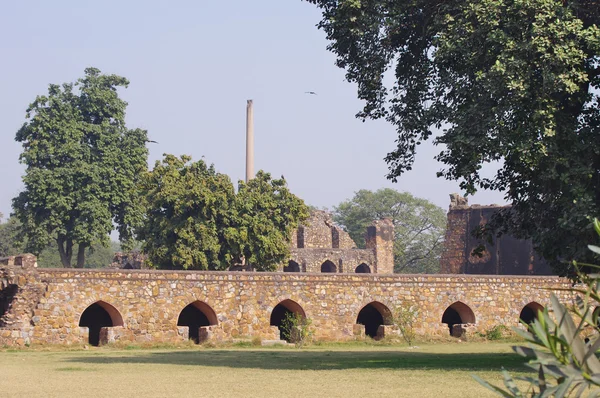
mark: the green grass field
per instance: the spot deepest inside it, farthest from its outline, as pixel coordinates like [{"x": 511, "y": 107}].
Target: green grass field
[{"x": 432, "y": 370}]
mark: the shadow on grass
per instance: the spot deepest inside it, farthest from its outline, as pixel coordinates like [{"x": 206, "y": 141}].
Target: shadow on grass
[{"x": 321, "y": 360}]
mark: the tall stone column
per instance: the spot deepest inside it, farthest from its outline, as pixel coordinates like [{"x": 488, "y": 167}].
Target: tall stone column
[{"x": 249, "y": 141}]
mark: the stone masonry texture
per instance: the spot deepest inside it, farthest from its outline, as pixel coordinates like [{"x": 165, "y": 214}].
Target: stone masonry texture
[{"x": 47, "y": 304}]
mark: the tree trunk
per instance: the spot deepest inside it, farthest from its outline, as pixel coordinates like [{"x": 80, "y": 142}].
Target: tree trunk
[
  {"x": 65, "y": 249},
  {"x": 81, "y": 255}
]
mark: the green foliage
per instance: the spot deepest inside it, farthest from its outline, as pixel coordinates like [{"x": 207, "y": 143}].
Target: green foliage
[
  {"x": 11, "y": 242},
  {"x": 566, "y": 365},
  {"x": 189, "y": 206},
  {"x": 195, "y": 220},
  {"x": 82, "y": 164},
  {"x": 404, "y": 318},
  {"x": 266, "y": 215},
  {"x": 297, "y": 329},
  {"x": 419, "y": 226},
  {"x": 496, "y": 332},
  {"x": 514, "y": 84}
]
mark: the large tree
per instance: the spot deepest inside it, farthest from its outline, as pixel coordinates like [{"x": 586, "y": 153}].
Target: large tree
[
  {"x": 195, "y": 220},
  {"x": 266, "y": 215},
  {"x": 11, "y": 242},
  {"x": 419, "y": 226},
  {"x": 188, "y": 206},
  {"x": 507, "y": 81},
  {"x": 82, "y": 164}
]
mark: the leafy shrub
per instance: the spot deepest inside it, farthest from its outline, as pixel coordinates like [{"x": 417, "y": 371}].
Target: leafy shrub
[
  {"x": 297, "y": 329},
  {"x": 404, "y": 318},
  {"x": 496, "y": 333},
  {"x": 565, "y": 360}
]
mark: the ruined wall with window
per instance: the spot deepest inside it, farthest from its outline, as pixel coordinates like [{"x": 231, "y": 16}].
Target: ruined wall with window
[
  {"x": 504, "y": 256},
  {"x": 67, "y": 306},
  {"x": 322, "y": 246}
]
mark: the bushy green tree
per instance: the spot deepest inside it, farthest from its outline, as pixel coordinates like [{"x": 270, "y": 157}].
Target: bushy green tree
[
  {"x": 82, "y": 164},
  {"x": 265, "y": 217},
  {"x": 189, "y": 206},
  {"x": 419, "y": 226},
  {"x": 514, "y": 83},
  {"x": 195, "y": 220}
]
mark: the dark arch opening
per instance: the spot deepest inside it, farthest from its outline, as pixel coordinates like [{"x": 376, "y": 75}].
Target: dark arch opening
[
  {"x": 328, "y": 266},
  {"x": 7, "y": 296},
  {"x": 280, "y": 312},
  {"x": 456, "y": 314},
  {"x": 196, "y": 315},
  {"x": 97, "y": 316},
  {"x": 530, "y": 312},
  {"x": 372, "y": 316},
  {"x": 292, "y": 267},
  {"x": 363, "y": 269}
]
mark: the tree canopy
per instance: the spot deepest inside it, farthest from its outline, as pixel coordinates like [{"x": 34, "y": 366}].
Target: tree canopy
[
  {"x": 188, "y": 207},
  {"x": 195, "y": 220},
  {"x": 419, "y": 226},
  {"x": 82, "y": 164},
  {"x": 506, "y": 81}
]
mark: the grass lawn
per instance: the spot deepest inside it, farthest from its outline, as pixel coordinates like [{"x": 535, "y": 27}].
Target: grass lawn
[{"x": 432, "y": 370}]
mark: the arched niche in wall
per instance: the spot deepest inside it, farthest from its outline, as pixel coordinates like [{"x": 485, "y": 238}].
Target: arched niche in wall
[
  {"x": 456, "y": 314},
  {"x": 98, "y": 315},
  {"x": 196, "y": 315},
  {"x": 372, "y": 316},
  {"x": 530, "y": 312},
  {"x": 282, "y": 310},
  {"x": 363, "y": 269},
  {"x": 328, "y": 266},
  {"x": 292, "y": 266}
]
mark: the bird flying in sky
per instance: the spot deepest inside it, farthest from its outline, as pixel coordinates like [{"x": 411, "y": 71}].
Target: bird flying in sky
[{"x": 310, "y": 92}]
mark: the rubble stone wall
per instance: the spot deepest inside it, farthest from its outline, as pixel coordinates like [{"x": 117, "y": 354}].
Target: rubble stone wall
[{"x": 145, "y": 305}]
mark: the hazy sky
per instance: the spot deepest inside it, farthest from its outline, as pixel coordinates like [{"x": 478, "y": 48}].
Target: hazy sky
[{"x": 192, "y": 66}]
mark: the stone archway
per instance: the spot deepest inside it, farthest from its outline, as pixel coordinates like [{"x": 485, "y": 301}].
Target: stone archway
[
  {"x": 280, "y": 312},
  {"x": 530, "y": 312},
  {"x": 98, "y": 315},
  {"x": 457, "y": 313},
  {"x": 196, "y": 315},
  {"x": 363, "y": 269},
  {"x": 292, "y": 267},
  {"x": 372, "y": 316},
  {"x": 328, "y": 266}
]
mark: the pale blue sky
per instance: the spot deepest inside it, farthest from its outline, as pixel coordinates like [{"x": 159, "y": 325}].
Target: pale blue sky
[{"x": 192, "y": 66}]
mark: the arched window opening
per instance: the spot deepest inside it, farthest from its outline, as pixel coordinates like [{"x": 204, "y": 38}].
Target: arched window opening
[
  {"x": 282, "y": 310},
  {"x": 363, "y": 269},
  {"x": 372, "y": 316},
  {"x": 530, "y": 312},
  {"x": 457, "y": 314},
  {"x": 292, "y": 267},
  {"x": 196, "y": 315},
  {"x": 7, "y": 296},
  {"x": 328, "y": 266},
  {"x": 97, "y": 316}
]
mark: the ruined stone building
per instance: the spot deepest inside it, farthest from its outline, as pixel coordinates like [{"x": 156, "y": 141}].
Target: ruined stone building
[
  {"x": 505, "y": 256},
  {"x": 321, "y": 246},
  {"x": 347, "y": 293}
]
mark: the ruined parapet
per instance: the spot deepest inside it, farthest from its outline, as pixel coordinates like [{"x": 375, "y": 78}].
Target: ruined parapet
[
  {"x": 380, "y": 239},
  {"x": 464, "y": 253},
  {"x": 316, "y": 232},
  {"x": 20, "y": 292},
  {"x": 341, "y": 239},
  {"x": 26, "y": 260}
]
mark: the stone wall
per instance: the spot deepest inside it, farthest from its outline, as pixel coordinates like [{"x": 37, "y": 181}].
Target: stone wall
[
  {"x": 322, "y": 246},
  {"x": 505, "y": 256},
  {"x": 144, "y": 306}
]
